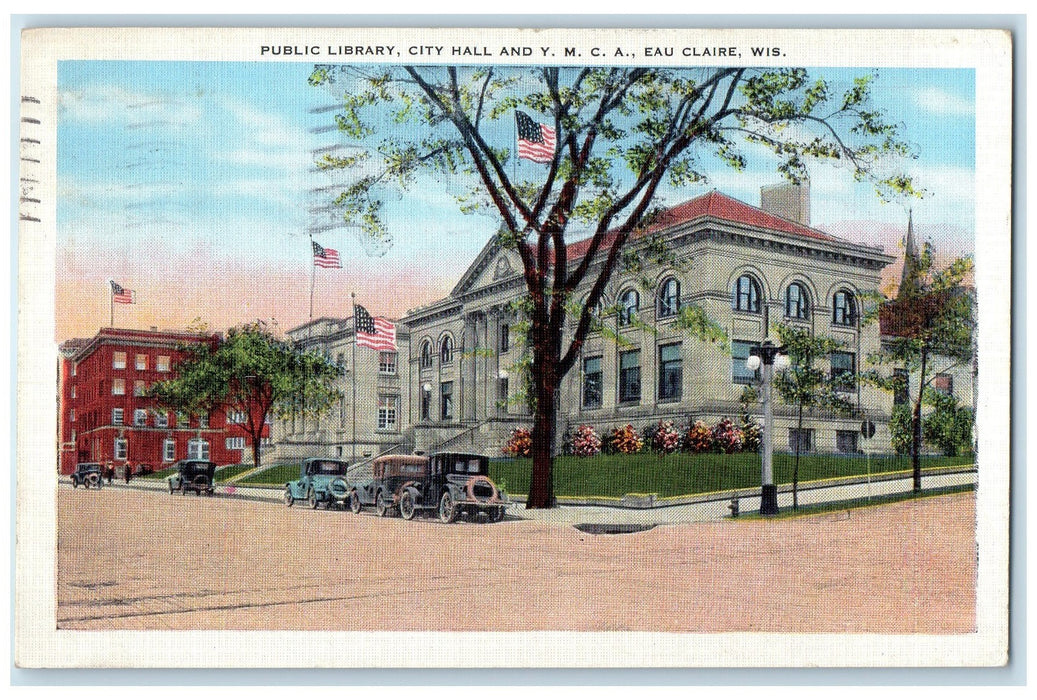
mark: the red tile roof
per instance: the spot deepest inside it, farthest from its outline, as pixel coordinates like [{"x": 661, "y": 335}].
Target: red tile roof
[{"x": 719, "y": 206}]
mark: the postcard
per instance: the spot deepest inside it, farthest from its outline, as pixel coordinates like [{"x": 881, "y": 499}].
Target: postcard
[{"x": 470, "y": 347}]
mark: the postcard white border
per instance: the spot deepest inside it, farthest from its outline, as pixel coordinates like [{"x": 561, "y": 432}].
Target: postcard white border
[{"x": 39, "y": 644}]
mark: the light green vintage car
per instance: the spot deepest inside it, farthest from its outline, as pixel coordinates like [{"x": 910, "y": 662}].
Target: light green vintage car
[{"x": 321, "y": 481}]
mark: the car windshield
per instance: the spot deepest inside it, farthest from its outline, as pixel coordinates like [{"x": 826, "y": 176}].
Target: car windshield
[
  {"x": 467, "y": 465},
  {"x": 327, "y": 467}
]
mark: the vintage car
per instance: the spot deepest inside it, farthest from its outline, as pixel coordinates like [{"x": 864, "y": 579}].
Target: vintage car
[
  {"x": 321, "y": 480},
  {"x": 447, "y": 485},
  {"x": 193, "y": 475},
  {"x": 87, "y": 474}
]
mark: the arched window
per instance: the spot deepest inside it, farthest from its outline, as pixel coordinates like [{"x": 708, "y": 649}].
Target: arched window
[
  {"x": 844, "y": 308},
  {"x": 446, "y": 350},
  {"x": 629, "y": 303},
  {"x": 426, "y": 354},
  {"x": 746, "y": 296},
  {"x": 797, "y": 304},
  {"x": 669, "y": 299}
]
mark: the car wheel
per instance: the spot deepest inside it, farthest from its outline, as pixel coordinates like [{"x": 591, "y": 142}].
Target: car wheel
[
  {"x": 381, "y": 505},
  {"x": 311, "y": 498},
  {"x": 354, "y": 503},
  {"x": 289, "y": 499},
  {"x": 407, "y": 505},
  {"x": 447, "y": 509},
  {"x": 75, "y": 484}
]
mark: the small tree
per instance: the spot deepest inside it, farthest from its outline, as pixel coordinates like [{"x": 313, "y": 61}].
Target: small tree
[
  {"x": 948, "y": 426},
  {"x": 804, "y": 385},
  {"x": 931, "y": 322},
  {"x": 253, "y": 373}
]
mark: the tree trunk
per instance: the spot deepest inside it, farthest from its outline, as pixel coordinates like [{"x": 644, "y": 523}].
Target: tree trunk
[
  {"x": 795, "y": 469},
  {"x": 256, "y": 445},
  {"x": 916, "y": 431},
  {"x": 541, "y": 485}
]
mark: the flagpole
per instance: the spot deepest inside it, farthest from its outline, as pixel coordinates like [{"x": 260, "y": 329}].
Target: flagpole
[
  {"x": 111, "y": 305},
  {"x": 353, "y": 296},
  {"x": 313, "y": 275}
]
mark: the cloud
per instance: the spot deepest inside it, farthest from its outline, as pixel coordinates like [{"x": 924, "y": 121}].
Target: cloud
[
  {"x": 935, "y": 100},
  {"x": 114, "y": 105}
]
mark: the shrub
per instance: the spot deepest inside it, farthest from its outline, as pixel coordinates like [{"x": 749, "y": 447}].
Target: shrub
[
  {"x": 699, "y": 437},
  {"x": 624, "y": 441},
  {"x": 726, "y": 437},
  {"x": 662, "y": 437},
  {"x": 519, "y": 444},
  {"x": 585, "y": 442},
  {"x": 752, "y": 435}
]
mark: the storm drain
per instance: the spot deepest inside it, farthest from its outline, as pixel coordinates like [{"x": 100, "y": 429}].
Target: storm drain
[{"x": 612, "y": 529}]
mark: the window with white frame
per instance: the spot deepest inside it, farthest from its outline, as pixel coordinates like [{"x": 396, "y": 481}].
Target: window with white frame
[
  {"x": 72, "y": 391},
  {"x": 161, "y": 419},
  {"x": 117, "y": 416},
  {"x": 72, "y": 415},
  {"x": 844, "y": 308},
  {"x": 142, "y": 361},
  {"x": 169, "y": 450},
  {"x": 139, "y": 388},
  {"x": 140, "y": 417},
  {"x": 162, "y": 363},
  {"x": 203, "y": 420},
  {"x": 386, "y": 363},
  {"x": 236, "y": 417},
  {"x": 122, "y": 449},
  {"x": 118, "y": 386},
  {"x": 118, "y": 360},
  {"x": 388, "y": 412},
  {"x": 234, "y": 443},
  {"x": 197, "y": 448}
]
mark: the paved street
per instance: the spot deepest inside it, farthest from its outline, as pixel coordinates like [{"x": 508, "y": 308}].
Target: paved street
[{"x": 139, "y": 558}]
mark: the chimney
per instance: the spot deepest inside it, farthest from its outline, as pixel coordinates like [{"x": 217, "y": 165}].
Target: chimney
[{"x": 788, "y": 200}]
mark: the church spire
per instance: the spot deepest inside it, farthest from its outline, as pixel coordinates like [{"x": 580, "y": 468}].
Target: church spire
[{"x": 909, "y": 274}]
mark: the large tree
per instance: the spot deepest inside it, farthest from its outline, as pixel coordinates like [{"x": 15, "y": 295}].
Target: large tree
[
  {"x": 928, "y": 329},
  {"x": 253, "y": 373},
  {"x": 621, "y": 134}
]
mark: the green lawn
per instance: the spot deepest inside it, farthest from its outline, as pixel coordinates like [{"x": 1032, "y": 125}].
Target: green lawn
[
  {"x": 683, "y": 474},
  {"x": 279, "y": 474},
  {"x": 222, "y": 473}
]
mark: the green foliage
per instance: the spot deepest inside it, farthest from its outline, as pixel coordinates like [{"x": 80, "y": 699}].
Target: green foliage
[
  {"x": 251, "y": 371},
  {"x": 949, "y": 426},
  {"x": 804, "y": 383},
  {"x": 900, "y": 429}
]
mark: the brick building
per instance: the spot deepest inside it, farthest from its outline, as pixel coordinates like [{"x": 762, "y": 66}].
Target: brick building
[{"x": 104, "y": 415}]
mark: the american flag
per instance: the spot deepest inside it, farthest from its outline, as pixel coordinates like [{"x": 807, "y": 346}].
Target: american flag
[
  {"x": 121, "y": 295},
  {"x": 536, "y": 142},
  {"x": 374, "y": 333},
  {"x": 325, "y": 257}
]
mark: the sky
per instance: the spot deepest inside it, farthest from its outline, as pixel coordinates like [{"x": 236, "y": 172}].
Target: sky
[{"x": 192, "y": 184}]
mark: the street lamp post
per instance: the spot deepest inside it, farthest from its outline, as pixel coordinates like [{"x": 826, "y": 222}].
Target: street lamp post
[{"x": 768, "y": 356}]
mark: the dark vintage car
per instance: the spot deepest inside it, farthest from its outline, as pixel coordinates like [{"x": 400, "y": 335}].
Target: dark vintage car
[
  {"x": 87, "y": 474},
  {"x": 193, "y": 475},
  {"x": 447, "y": 485},
  {"x": 321, "y": 480}
]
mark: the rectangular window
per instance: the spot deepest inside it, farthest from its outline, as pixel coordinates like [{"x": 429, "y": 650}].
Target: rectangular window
[
  {"x": 944, "y": 384},
  {"x": 140, "y": 417},
  {"x": 901, "y": 395},
  {"x": 142, "y": 361},
  {"x": 386, "y": 363},
  {"x": 426, "y": 403},
  {"x": 446, "y": 400},
  {"x": 236, "y": 417},
  {"x": 139, "y": 388},
  {"x": 846, "y": 441},
  {"x": 118, "y": 386},
  {"x": 72, "y": 391},
  {"x": 801, "y": 439},
  {"x": 592, "y": 382},
  {"x": 161, "y": 419},
  {"x": 844, "y": 371},
  {"x": 162, "y": 363},
  {"x": 505, "y": 337},
  {"x": 197, "y": 449},
  {"x": 182, "y": 419},
  {"x": 118, "y": 360},
  {"x": 630, "y": 376},
  {"x": 502, "y": 393},
  {"x": 234, "y": 443},
  {"x": 740, "y": 374},
  {"x": 203, "y": 420},
  {"x": 169, "y": 450},
  {"x": 388, "y": 412},
  {"x": 117, "y": 414},
  {"x": 670, "y": 372},
  {"x": 122, "y": 449},
  {"x": 72, "y": 416}
]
